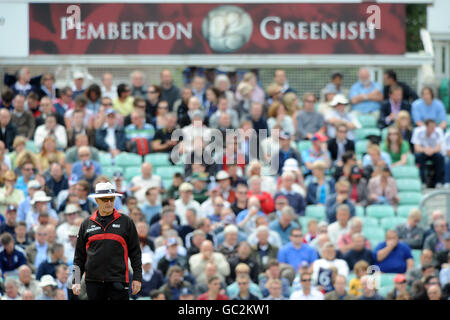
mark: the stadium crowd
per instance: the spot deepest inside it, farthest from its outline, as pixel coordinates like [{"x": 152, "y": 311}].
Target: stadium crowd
[{"x": 342, "y": 202}]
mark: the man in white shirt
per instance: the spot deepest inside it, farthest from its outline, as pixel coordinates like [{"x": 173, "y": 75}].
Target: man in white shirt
[
  {"x": 71, "y": 213},
  {"x": 341, "y": 226},
  {"x": 339, "y": 115},
  {"x": 427, "y": 141},
  {"x": 108, "y": 89},
  {"x": 146, "y": 180},
  {"x": 185, "y": 201},
  {"x": 307, "y": 292},
  {"x": 328, "y": 253}
]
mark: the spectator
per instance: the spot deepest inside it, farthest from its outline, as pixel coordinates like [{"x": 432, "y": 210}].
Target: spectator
[
  {"x": 285, "y": 151},
  {"x": 383, "y": 188},
  {"x": 81, "y": 140},
  {"x": 27, "y": 162},
  {"x": 391, "y": 107},
  {"x": 175, "y": 283},
  {"x": 88, "y": 117},
  {"x": 295, "y": 252},
  {"x": 256, "y": 92},
  {"x": 366, "y": 95},
  {"x": 258, "y": 240},
  {"x": 213, "y": 292},
  {"x": 319, "y": 186},
  {"x": 152, "y": 206},
  {"x": 423, "y": 269},
  {"x": 78, "y": 126},
  {"x": 139, "y": 134},
  {"x": 233, "y": 289},
  {"x": 85, "y": 156},
  {"x": 328, "y": 260},
  {"x": 278, "y": 115},
  {"x": 336, "y": 85},
  {"x": 436, "y": 241},
  {"x": 39, "y": 206},
  {"x": 434, "y": 292},
  {"x": 139, "y": 105},
  {"x": 137, "y": 80},
  {"x": 411, "y": 232},
  {"x": 7, "y": 97},
  {"x": 280, "y": 79},
  {"x": 23, "y": 119},
  {"x": 151, "y": 278},
  {"x": 397, "y": 148},
  {"x": 339, "y": 292},
  {"x": 428, "y": 107},
  {"x": 427, "y": 142},
  {"x": 11, "y": 255},
  {"x": 340, "y": 144},
  {"x": 318, "y": 151},
  {"x": 11, "y": 290},
  {"x": 326, "y": 96},
  {"x": 390, "y": 81},
  {"x": 49, "y": 155},
  {"x": 10, "y": 221},
  {"x": 198, "y": 262},
  {"x": 341, "y": 226},
  {"x": 139, "y": 184},
  {"x": 171, "y": 258},
  {"x": 199, "y": 89},
  {"x": 244, "y": 293},
  {"x": 273, "y": 272},
  {"x": 358, "y": 249},
  {"x": 185, "y": 201},
  {"x": 340, "y": 116},
  {"x": 23, "y": 84},
  {"x": 307, "y": 292},
  {"x": 341, "y": 196},
  {"x": 8, "y": 130},
  {"x": 265, "y": 199},
  {"x": 162, "y": 141},
  {"x": 78, "y": 87},
  {"x": 419, "y": 289},
  {"x": 38, "y": 250},
  {"x": 374, "y": 161},
  {"x": 55, "y": 259},
  {"x": 63, "y": 103},
  {"x": 244, "y": 96},
  {"x": 369, "y": 289},
  {"x": 359, "y": 193},
  {"x": 274, "y": 287},
  {"x": 9, "y": 194},
  {"x": 123, "y": 104},
  {"x": 93, "y": 94},
  {"x": 392, "y": 256},
  {"x": 228, "y": 248},
  {"x": 71, "y": 213},
  {"x": 169, "y": 92},
  {"x": 153, "y": 99},
  {"x": 27, "y": 282},
  {"x": 51, "y": 127},
  {"x": 285, "y": 224},
  {"x": 355, "y": 285},
  {"x": 308, "y": 122},
  {"x": 111, "y": 136},
  {"x": 46, "y": 108},
  {"x": 223, "y": 108},
  {"x": 243, "y": 255},
  {"x": 345, "y": 169},
  {"x": 399, "y": 287},
  {"x": 108, "y": 88}
]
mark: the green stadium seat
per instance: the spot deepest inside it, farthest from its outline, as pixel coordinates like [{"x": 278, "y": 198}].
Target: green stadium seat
[
  {"x": 315, "y": 211},
  {"x": 404, "y": 210},
  {"x": 405, "y": 172},
  {"x": 109, "y": 171},
  {"x": 105, "y": 159},
  {"x": 167, "y": 183},
  {"x": 387, "y": 279},
  {"x": 367, "y": 121},
  {"x": 391, "y": 222},
  {"x": 361, "y": 146},
  {"x": 126, "y": 159},
  {"x": 168, "y": 172},
  {"x": 351, "y": 276},
  {"x": 359, "y": 211},
  {"x": 384, "y": 133},
  {"x": 374, "y": 233},
  {"x": 304, "y": 145},
  {"x": 158, "y": 159},
  {"x": 413, "y": 185},
  {"x": 448, "y": 120},
  {"x": 30, "y": 146},
  {"x": 410, "y": 198},
  {"x": 384, "y": 291},
  {"x": 380, "y": 211},
  {"x": 304, "y": 222},
  {"x": 363, "y": 133},
  {"x": 416, "y": 253},
  {"x": 131, "y": 172},
  {"x": 411, "y": 161},
  {"x": 369, "y": 222}
]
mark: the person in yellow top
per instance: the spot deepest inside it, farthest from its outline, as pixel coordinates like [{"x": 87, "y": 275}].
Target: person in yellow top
[
  {"x": 123, "y": 104},
  {"x": 49, "y": 154},
  {"x": 355, "y": 285},
  {"x": 8, "y": 194}
]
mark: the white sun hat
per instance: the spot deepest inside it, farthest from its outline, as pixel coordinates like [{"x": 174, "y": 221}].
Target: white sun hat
[
  {"x": 40, "y": 196},
  {"x": 104, "y": 190},
  {"x": 47, "y": 280}
]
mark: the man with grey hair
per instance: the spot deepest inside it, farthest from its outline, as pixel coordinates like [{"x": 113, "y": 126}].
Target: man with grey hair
[
  {"x": 296, "y": 200},
  {"x": 341, "y": 226},
  {"x": 246, "y": 218},
  {"x": 263, "y": 251},
  {"x": 284, "y": 224},
  {"x": 369, "y": 289},
  {"x": 411, "y": 232},
  {"x": 358, "y": 251},
  {"x": 137, "y": 79},
  {"x": 339, "y": 292},
  {"x": 198, "y": 261},
  {"x": 8, "y": 130},
  {"x": 435, "y": 215},
  {"x": 345, "y": 241},
  {"x": 328, "y": 260},
  {"x": 23, "y": 119},
  {"x": 435, "y": 242},
  {"x": 27, "y": 283},
  {"x": 366, "y": 95},
  {"x": 11, "y": 290},
  {"x": 229, "y": 246}
]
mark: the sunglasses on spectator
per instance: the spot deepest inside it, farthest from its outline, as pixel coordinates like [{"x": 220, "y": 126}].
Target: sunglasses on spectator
[
  {"x": 28, "y": 169},
  {"x": 150, "y": 91},
  {"x": 306, "y": 280},
  {"x": 107, "y": 199},
  {"x": 296, "y": 235}
]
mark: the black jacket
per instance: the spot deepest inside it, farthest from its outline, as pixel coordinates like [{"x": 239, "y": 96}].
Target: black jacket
[
  {"x": 408, "y": 93},
  {"x": 103, "y": 252},
  {"x": 9, "y": 135},
  {"x": 333, "y": 147},
  {"x": 385, "y": 111},
  {"x": 100, "y": 135}
]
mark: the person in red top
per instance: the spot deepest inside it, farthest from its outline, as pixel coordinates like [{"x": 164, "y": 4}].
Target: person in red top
[
  {"x": 265, "y": 198},
  {"x": 213, "y": 292},
  {"x": 224, "y": 181}
]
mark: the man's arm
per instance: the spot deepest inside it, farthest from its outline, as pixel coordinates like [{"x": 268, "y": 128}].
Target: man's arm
[
  {"x": 383, "y": 253},
  {"x": 80, "y": 251},
  {"x": 409, "y": 264}
]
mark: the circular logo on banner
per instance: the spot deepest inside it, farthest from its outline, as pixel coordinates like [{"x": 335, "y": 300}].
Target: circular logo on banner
[{"x": 227, "y": 28}]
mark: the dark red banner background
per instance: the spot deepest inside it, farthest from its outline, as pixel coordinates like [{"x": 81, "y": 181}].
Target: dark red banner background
[{"x": 46, "y": 32}]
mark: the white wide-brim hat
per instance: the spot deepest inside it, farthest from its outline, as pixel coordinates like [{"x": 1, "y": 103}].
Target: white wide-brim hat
[
  {"x": 40, "y": 196},
  {"x": 104, "y": 190},
  {"x": 47, "y": 280}
]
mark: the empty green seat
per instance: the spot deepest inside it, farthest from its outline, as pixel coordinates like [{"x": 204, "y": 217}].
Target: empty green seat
[
  {"x": 404, "y": 210},
  {"x": 363, "y": 133},
  {"x": 383, "y": 291},
  {"x": 359, "y": 210},
  {"x": 410, "y": 198},
  {"x": 167, "y": 183},
  {"x": 384, "y": 133},
  {"x": 125, "y": 159},
  {"x": 168, "y": 172},
  {"x": 391, "y": 222},
  {"x": 411, "y": 161},
  {"x": 304, "y": 222},
  {"x": 361, "y": 146},
  {"x": 380, "y": 211},
  {"x": 109, "y": 171},
  {"x": 387, "y": 279},
  {"x": 105, "y": 159},
  {"x": 414, "y": 185},
  {"x": 158, "y": 159},
  {"x": 131, "y": 172},
  {"x": 405, "y": 172},
  {"x": 31, "y": 146},
  {"x": 375, "y": 233},
  {"x": 416, "y": 253},
  {"x": 369, "y": 222},
  {"x": 304, "y": 145},
  {"x": 315, "y": 211},
  {"x": 367, "y": 121}
]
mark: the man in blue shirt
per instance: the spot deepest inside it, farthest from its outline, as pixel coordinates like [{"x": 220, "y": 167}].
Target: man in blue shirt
[
  {"x": 284, "y": 224},
  {"x": 428, "y": 108},
  {"x": 393, "y": 256},
  {"x": 85, "y": 156},
  {"x": 365, "y": 95},
  {"x": 295, "y": 252},
  {"x": 11, "y": 256}
]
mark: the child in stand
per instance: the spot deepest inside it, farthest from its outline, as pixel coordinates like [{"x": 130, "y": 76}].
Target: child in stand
[{"x": 355, "y": 286}]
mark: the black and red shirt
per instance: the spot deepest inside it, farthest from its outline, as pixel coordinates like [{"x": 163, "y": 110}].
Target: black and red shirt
[{"x": 104, "y": 245}]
